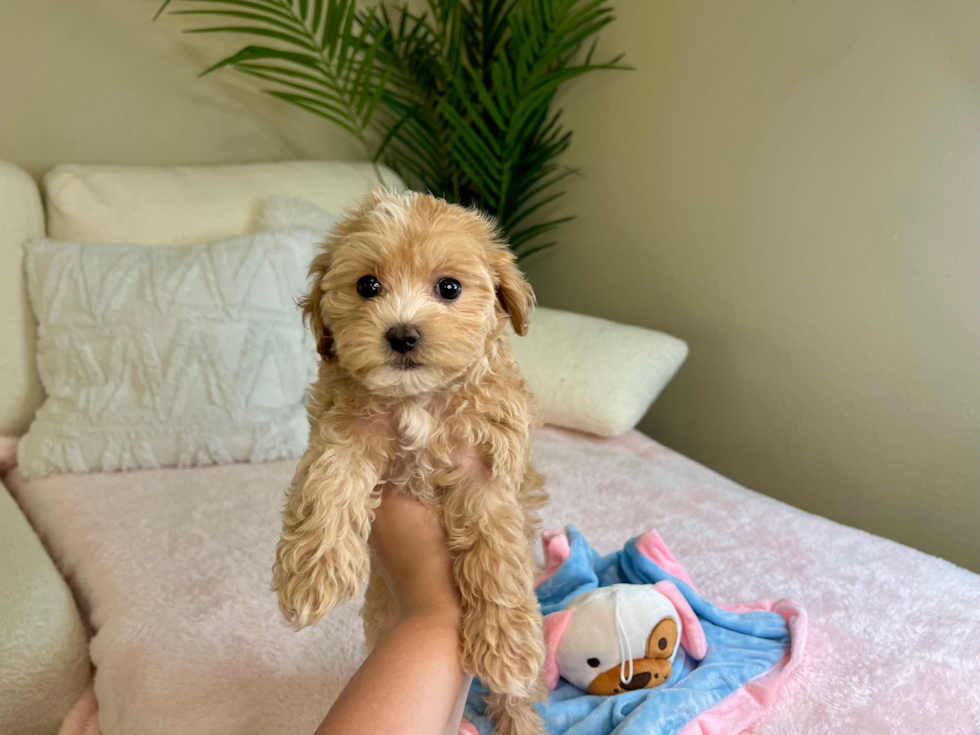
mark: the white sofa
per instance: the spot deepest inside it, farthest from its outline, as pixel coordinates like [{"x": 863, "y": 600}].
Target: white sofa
[{"x": 43, "y": 644}]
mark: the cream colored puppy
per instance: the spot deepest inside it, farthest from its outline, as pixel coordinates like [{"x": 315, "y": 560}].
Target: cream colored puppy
[{"x": 418, "y": 393}]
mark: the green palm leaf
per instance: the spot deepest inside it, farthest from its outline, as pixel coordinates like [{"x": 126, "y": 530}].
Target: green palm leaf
[{"x": 458, "y": 98}]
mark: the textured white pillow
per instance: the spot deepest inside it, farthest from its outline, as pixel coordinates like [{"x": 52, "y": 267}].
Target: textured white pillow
[
  {"x": 287, "y": 213},
  {"x": 159, "y": 356},
  {"x": 592, "y": 374}
]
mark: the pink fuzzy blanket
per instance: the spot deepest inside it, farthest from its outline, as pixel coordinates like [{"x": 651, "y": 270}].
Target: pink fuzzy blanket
[{"x": 172, "y": 569}]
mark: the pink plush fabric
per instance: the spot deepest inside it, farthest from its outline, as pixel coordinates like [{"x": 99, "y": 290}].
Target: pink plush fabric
[
  {"x": 753, "y": 702},
  {"x": 8, "y": 453},
  {"x": 555, "y": 626},
  {"x": 757, "y": 699},
  {"x": 172, "y": 571},
  {"x": 653, "y": 547},
  {"x": 84, "y": 716},
  {"x": 692, "y": 634},
  {"x": 556, "y": 549}
]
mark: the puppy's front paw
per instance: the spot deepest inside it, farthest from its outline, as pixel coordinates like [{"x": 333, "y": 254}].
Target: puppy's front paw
[
  {"x": 312, "y": 579},
  {"x": 504, "y": 647}
]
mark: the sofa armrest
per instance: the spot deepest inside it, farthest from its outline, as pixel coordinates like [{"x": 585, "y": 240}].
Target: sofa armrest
[{"x": 43, "y": 644}]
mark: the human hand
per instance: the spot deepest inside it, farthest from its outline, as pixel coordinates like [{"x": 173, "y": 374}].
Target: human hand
[
  {"x": 412, "y": 682},
  {"x": 410, "y": 543}
]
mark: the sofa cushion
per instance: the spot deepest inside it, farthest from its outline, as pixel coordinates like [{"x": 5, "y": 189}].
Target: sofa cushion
[
  {"x": 43, "y": 645},
  {"x": 188, "y": 205},
  {"x": 21, "y": 219},
  {"x": 174, "y": 566}
]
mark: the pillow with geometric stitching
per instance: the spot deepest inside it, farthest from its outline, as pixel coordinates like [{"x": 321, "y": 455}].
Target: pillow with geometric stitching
[{"x": 169, "y": 356}]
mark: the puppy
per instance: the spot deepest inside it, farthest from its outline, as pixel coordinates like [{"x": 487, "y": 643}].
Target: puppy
[{"x": 418, "y": 393}]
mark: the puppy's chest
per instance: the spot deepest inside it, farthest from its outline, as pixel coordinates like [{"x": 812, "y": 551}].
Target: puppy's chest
[{"x": 420, "y": 447}]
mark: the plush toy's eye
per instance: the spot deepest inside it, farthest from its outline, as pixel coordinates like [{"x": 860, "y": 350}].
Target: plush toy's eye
[
  {"x": 449, "y": 289},
  {"x": 368, "y": 286},
  {"x": 593, "y": 662}
]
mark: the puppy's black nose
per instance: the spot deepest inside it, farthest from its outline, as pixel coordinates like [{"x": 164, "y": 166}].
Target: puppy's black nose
[{"x": 403, "y": 338}]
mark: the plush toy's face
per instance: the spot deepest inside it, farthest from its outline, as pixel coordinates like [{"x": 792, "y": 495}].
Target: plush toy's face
[
  {"x": 653, "y": 669},
  {"x": 611, "y": 626}
]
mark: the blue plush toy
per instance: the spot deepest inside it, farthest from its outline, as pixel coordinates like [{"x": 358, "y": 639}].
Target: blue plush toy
[{"x": 633, "y": 621}]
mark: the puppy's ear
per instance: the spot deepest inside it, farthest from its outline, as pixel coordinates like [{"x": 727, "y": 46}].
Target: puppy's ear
[
  {"x": 514, "y": 293},
  {"x": 310, "y": 304}
]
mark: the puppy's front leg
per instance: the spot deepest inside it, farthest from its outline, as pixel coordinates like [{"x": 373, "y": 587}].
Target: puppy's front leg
[
  {"x": 501, "y": 639},
  {"x": 322, "y": 556}
]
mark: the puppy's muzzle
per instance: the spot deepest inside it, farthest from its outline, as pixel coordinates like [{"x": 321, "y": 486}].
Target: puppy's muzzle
[{"x": 403, "y": 338}]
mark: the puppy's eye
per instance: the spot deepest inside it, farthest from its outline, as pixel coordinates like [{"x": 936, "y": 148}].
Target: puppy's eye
[
  {"x": 449, "y": 289},
  {"x": 368, "y": 286},
  {"x": 593, "y": 662}
]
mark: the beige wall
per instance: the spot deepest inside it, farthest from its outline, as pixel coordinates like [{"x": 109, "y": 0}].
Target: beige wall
[
  {"x": 794, "y": 188},
  {"x": 93, "y": 81}
]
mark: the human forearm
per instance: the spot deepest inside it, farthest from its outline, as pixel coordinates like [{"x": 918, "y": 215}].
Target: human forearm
[{"x": 409, "y": 683}]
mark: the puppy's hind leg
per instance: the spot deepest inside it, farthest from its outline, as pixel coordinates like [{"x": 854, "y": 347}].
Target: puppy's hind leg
[
  {"x": 501, "y": 636},
  {"x": 517, "y": 715},
  {"x": 532, "y": 496},
  {"x": 379, "y": 611}
]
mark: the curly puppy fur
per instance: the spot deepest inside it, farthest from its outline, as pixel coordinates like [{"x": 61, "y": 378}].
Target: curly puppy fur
[{"x": 447, "y": 422}]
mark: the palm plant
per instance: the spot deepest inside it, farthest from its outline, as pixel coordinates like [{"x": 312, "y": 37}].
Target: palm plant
[{"x": 457, "y": 99}]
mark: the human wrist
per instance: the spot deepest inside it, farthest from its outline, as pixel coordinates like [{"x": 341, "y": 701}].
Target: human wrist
[{"x": 437, "y": 607}]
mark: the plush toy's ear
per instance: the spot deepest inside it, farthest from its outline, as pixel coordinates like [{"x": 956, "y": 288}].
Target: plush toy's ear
[
  {"x": 692, "y": 634},
  {"x": 556, "y": 549},
  {"x": 310, "y": 304},
  {"x": 555, "y": 626}
]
